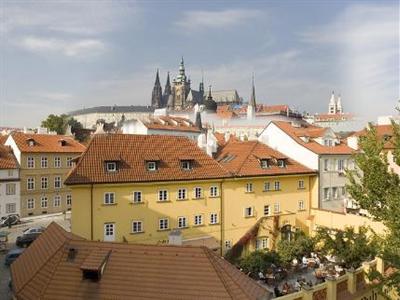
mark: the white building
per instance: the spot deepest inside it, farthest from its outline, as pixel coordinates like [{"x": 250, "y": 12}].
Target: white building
[
  {"x": 9, "y": 182},
  {"x": 317, "y": 148}
]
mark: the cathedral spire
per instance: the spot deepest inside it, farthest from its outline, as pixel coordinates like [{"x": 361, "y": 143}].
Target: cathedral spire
[
  {"x": 156, "y": 97},
  {"x": 167, "y": 91},
  {"x": 253, "y": 93}
]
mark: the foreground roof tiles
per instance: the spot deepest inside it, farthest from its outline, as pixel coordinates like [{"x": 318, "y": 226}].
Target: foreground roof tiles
[
  {"x": 313, "y": 132},
  {"x": 46, "y": 271},
  {"x": 132, "y": 151},
  {"x": 3, "y": 139},
  {"x": 7, "y": 158},
  {"x": 243, "y": 158},
  {"x": 171, "y": 123},
  {"x": 46, "y": 143}
]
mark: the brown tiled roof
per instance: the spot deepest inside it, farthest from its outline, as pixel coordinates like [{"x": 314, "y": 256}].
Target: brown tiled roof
[
  {"x": 332, "y": 117},
  {"x": 132, "y": 152},
  {"x": 171, "y": 123},
  {"x": 243, "y": 159},
  {"x": 7, "y": 158},
  {"x": 312, "y": 132},
  {"x": 3, "y": 139},
  {"x": 46, "y": 143},
  {"x": 132, "y": 271},
  {"x": 384, "y": 132}
]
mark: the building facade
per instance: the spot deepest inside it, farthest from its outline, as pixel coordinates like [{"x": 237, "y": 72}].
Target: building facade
[
  {"x": 9, "y": 182},
  {"x": 44, "y": 162}
]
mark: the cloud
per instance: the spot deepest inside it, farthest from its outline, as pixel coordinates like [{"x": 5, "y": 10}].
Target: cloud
[
  {"x": 202, "y": 19},
  {"x": 71, "y": 48}
]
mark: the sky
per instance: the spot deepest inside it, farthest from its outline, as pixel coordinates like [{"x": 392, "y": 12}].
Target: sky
[{"x": 59, "y": 56}]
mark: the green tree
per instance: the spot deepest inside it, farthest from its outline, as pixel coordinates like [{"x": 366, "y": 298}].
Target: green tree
[
  {"x": 377, "y": 189},
  {"x": 55, "y": 123},
  {"x": 351, "y": 248},
  {"x": 295, "y": 248},
  {"x": 258, "y": 261}
]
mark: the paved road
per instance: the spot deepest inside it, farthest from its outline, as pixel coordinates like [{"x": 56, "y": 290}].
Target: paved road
[{"x": 63, "y": 220}]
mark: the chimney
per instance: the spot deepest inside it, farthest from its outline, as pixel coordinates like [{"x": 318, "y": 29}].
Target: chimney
[
  {"x": 72, "y": 254},
  {"x": 227, "y": 136},
  {"x": 94, "y": 264}
]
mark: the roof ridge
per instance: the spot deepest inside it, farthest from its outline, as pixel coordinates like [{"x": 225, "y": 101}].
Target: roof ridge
[{"x": 247, "y": 157}]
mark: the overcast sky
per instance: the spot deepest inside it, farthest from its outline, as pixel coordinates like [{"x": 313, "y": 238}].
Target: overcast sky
[{"x": 58, "y": 56}]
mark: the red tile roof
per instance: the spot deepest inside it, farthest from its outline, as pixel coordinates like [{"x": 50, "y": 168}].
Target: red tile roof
[
  {"x": 46, "y": 143},
  {"x": 132, "y": 151},
  {"x": 171, "y": 123},
  {"x": 243, "y": 159},
  {"x": 312, "y": 132},
  {"x": 7, "y": 158},
  {"x": 384, "y": 132},
  {"x": 3, "y": 139},
  {"x": 132, "y": 271},
  {"x": 332, "y": 117}
]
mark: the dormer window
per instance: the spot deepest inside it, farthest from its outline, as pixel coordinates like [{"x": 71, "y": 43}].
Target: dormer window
[
  {"x": 186, "y": 165},
  {"x": 264, "y": 163},
  {"x": 281, "y": 163},
  {"x": 31, "y": 142},
  {"x": 111, "y": 166},
  {"x": 62, "y": 143},
  {"x": 328, "y": 142},
  {"x": 151, "y": 166}
]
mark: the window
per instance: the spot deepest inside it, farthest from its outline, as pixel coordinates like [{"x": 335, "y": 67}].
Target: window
[
  {"x": 327, "y": 193},
  {"x": 340, "y": 165},
  {"x": 264, "y": 163},
  {"x": 213, "y": 218},
  {"x": 262, "y": 243},
  {"x": 343, "y": 191},
  {"x": 30, "y": 162},
  {"x": 277, "y": 208},
  {"x": 44, "y": 182},
  {"x": 249, "y": 187},
  {"x": 10, "y": 173},
  {"x": 57, "y": 182},
  {"x": 248, "y": 212},
  {"x": 301, "y": 205},
  {"x": 186, "y": 165},
  {"x": 11, "y": 208},
  {"x": 277, "y": 186},
  {"x": 198, "y": 220},
  {"x": 198, "y": 192},
  {"x": 162, "y": 195},
  {"x": 10, "y": 188},
  {"x": 30, "y": 203},
  {"x": 335, "y": 192},
  {"x": 228, "y": 244},
  {"x": 43, "y": 162},
  {"x": 301, "y": 184},
  {"x": 281, "y": 163},
  {"x": 57, "y": 201},
  {"x": 214, "y": 191},
  {"x": 326, "y": 164},
  {"x": 163, "y": 224},
  {"x": 69, "y": 199},
  {"x": 151, "y": 166},
  {"x": 137, "y": 197},
  {"x": 182, "y": 222},
  {"x": 182, "y": 194},
  {"x": 30, "y": 183},
  {"x": 69, "y": 161},
  {"x": 57, "y": 162},
  {"x": 137, "y": 226},
  {"x": 109, "y": 198},
  {"x": 267, "y": 210},
  {"x": 267, "y": 186},
  {"x": 43, "y": 202},
  {"x": 111, "y": 166}
]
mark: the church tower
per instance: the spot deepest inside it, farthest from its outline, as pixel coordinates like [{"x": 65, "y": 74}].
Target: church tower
[
  {"x": 339, "y": 108},
  {"x": 201, "y": 89},
  {"x": 167, "y": 92},
  {"x": 251, "y": 107},
  {"x": 156, "y": 97},
  {"x": 332, "y": 105},
  {"x": 181, "y": 87}
]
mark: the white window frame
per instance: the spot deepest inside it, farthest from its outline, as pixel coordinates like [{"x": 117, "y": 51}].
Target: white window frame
[
  {"x": 162, "y": 195},
  {"x": 301, "y": 185},
  {"x": 186, "y": 165},
  {"x": 57, "y": 200},
  {"x": 137, "y": 226},
  {"x": 30, "y": 183},
  {"x": 267, "y": 186},
  {"x": 163, "y": 224},
  {"x": 198, "y": 220},
  {"x": 9, "y": 206},
  {"x": 57, "y": 162},
  {"x": 249, "y": 187},
  {"x": 262, "y": 243},
  {"x": 301, "y": 205},
  {"x": 264, "y": 163},
  {"x": 137, "y": 197},
  {"x": 277, "y": 208},
  {"x": 30, "y": 203},
  {"x": 340, "y": 165},
  {"x": 111, "y": 166},
  {"x": 69, "y": 162},
  {"x": 267, "y": 210},
  {"x": 327, "y": 193},
  {"x": 281, "y": 163},
  {"x": 214, "y": 192},
  {"x": 214, "y": 218},
  {"x": 277, "y": 185},
  {"x": 181, "y": 194},
  {"x": 44, "y": 183},
  {"x": 42, "y": 200},
  {"x": 249, "y": 212},
  {"x": 335, "y": 192},
  {"x": 30, "y": 162},
  {"x": 198, "y": 192},
  {"x": 44, "y": 162},
  {"x": 68, "y": 199},
  {"x": 151, "y": 166},
  {"x": 182, "y": 222},
  {"x": 57, "y": 180},
  {"x": 11, "y": 189},
  {"x": 326, "y": 164},
  {"x": 109, "y": 198}
]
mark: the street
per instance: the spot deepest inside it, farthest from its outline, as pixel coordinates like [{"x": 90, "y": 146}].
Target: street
[{"x": 15, "y": 231}]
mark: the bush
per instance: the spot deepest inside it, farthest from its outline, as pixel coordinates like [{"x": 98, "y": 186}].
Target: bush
[
  {"x": 258, "y": 261},
  {"x": 298, "y": 247}
]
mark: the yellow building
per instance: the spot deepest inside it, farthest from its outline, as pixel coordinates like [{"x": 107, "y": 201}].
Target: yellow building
[
  {"x": 44, "y": 160},
  {"x": 140, "y": 188}
]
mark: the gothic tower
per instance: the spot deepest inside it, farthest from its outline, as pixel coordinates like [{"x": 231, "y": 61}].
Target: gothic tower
[
  {"x": 156, "y": 97},
  {"x": 332, "y": 105},
  {"x": 251, "y": 108},
  {"x": 201, "y": 89},
  {"x": 167, "y": 92},
  {"x": 181, "y": 88}
]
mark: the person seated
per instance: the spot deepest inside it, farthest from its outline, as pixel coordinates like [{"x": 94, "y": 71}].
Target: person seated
[
  {"x": 261, "y": 275},
  {"x": 295, "y": 262},
  {"x": 286, "y": 288},
  {"x": 297, "y": 286},
  {"x": 304, "y": 260}
]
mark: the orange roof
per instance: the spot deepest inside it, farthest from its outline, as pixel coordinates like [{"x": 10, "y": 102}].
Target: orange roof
[
  {"x": 3, "y": 139},
  {"x": 7, "y": 158},
  {"x": 312, "y": 132},
  {"x": 384, "y": 132},
  {"x": 132, "y": 151},
  {"x": 50, "y": 269},
  {"x": 243, "y": 159},
  {"x": 332, "y": 117},
  {"x": 171, "y": 123},
  {"x": 46, "y": 143}
]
